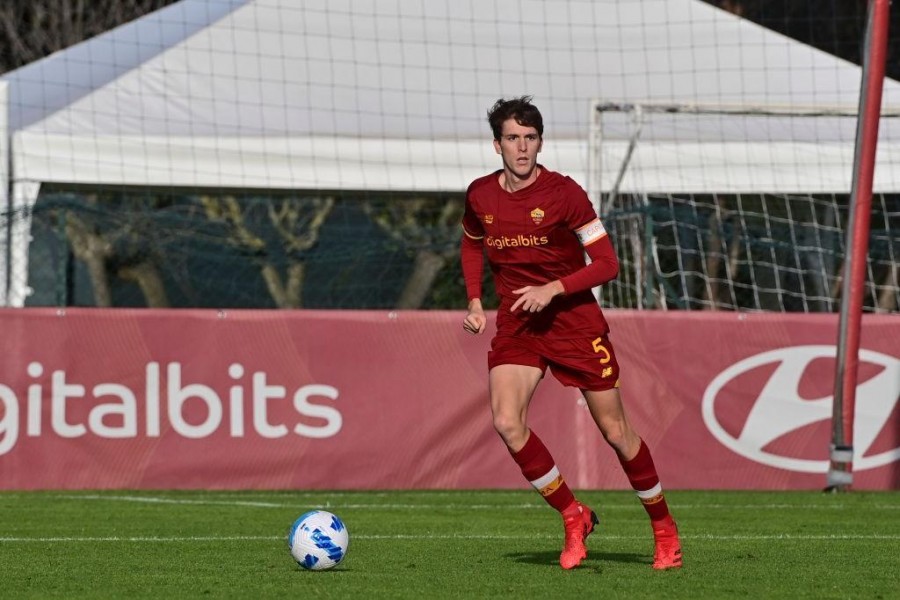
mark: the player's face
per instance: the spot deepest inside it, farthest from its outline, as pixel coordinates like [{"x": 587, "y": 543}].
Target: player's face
[{"x": 519, "y": 146}]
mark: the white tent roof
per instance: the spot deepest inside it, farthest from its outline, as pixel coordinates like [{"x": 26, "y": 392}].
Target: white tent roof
[
  {"x": 392, "y": 95},
  {"x": 342, "y": 94}
]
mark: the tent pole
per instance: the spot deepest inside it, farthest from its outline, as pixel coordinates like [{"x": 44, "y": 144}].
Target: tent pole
[{"x": 6, "y": 192}]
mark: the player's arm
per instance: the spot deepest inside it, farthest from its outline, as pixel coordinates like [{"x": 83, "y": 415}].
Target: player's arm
[
  {"x": 472, "y": 258},
  {"x": 535, "y": 298},
  {"x": 604, "y": 265}
]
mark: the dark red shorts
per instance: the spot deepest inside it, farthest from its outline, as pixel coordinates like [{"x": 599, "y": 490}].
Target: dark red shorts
[{"x": 587, "y": 364}]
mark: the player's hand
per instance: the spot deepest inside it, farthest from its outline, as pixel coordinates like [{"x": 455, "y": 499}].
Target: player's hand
[
  {"x": 475, "y": 321},
  {"x": 536, "y": 298}
]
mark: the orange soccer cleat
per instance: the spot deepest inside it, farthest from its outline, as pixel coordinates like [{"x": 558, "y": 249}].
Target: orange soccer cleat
[
  {"x": 579, "y": 521},
  {"x": 668, "y": 546}
]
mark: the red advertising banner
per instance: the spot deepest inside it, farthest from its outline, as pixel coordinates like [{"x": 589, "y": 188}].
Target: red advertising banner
[{"x": 398, "y": 400}]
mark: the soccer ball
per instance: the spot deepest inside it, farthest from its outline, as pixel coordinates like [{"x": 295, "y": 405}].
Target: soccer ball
[{"x": 318, "y": 540}]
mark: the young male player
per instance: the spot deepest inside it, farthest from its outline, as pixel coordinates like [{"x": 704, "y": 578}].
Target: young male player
[{"x": 535, "y": 226}]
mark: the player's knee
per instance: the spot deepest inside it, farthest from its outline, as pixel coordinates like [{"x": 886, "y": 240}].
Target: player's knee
[
  {"x": 510, "y": 428},
  {"x": 623, "y": 439},
  {"x": 615, "y": 433}
]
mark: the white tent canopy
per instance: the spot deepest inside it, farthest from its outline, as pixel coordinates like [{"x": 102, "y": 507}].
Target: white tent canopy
[{"x": 343, "y": 94}]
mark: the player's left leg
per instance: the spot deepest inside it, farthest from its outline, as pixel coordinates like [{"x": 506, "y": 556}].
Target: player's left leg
[{"x": 634, "y": 455}]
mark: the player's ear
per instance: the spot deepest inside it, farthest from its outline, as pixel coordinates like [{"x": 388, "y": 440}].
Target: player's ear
[
  {"x": 540, "y": 144},
  {"x": 497, "y": 146}
]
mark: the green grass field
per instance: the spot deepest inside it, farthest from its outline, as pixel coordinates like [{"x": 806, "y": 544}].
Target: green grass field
[{"x": 445, "y": 544}]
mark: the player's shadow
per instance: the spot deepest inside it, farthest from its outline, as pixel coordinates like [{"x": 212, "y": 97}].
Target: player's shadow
[{"x": 552, "y": 558}]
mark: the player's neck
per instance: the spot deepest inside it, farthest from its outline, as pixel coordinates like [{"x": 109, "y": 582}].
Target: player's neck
[{"x": 511, "y": 183}]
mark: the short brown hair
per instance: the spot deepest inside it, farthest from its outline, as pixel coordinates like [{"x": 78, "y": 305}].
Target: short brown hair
[{"x": 521, "y": 109}]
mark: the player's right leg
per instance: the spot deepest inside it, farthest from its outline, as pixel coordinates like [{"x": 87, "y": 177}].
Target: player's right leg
[
  {"x": 667, "y": 554},
  {"x": 512, "y": 386},
  {"x": 578, "y": 521}
]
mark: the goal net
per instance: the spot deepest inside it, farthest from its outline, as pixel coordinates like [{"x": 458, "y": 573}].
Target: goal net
[
  {"x": 732, "y": 207},
  {"x": 316, "y": 154}
]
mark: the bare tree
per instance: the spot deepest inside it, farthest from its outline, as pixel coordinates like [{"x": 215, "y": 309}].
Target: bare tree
[
  {"x": 431, "y": 228},
  {"x": 115, "y": 248},
  {"x": 298, "y": 227},
  {"x": 887, "y": 298},
  {"x": 296, "y": 222},
  {"x": 90, "y": 247},
  {"x": 32, "y": 29},
  {"x": 835, "y": 27}
]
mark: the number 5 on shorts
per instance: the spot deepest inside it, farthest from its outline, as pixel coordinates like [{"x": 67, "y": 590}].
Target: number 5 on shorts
[{"x": 599, "y": 348}]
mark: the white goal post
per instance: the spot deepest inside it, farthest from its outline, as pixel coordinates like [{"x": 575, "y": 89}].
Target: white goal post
[
  {"x": 737, "y": 207},
  {"x": 722, "y": 148}
]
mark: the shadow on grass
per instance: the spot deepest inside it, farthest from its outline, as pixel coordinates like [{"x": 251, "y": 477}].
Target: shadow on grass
[{"x": 594, "y": 557}]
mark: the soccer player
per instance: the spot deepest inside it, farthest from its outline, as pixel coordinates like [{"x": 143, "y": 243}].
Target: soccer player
[{"x": 535, "y": 226}]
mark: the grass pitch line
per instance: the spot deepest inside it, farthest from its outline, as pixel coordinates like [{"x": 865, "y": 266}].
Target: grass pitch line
[
  {"x": 114, "y": 538},
  {"x": 158, "y": 500},
  {"x": 426, "y": 537},
  {"x": 326, "y": 505},
  {"x": 430, "y": 506}
]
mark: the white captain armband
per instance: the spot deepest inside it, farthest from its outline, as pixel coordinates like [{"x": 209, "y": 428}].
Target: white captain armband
[
  {"x": 472, "y": 237},
  {"x": 590, "y": 232}
]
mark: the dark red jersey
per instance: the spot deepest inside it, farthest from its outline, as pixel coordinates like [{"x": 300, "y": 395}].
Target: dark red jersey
[{"x": 530, "y": 239}]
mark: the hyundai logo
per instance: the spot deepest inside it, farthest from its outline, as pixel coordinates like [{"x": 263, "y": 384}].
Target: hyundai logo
[{"x": 779, "y": 409}]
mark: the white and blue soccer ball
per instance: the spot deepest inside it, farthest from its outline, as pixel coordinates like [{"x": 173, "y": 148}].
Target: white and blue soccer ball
[{"x": 318, "y": 540}]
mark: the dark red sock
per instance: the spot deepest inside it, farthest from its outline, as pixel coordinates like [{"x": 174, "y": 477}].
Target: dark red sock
[
  {"x": 539, "y": 469},
  {"x": 643, "y": 478}
]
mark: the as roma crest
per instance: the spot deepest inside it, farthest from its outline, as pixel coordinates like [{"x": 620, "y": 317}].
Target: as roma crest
[{"x": 537, "y": 215}]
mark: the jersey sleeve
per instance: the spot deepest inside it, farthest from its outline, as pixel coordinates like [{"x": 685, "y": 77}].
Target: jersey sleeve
[
  {"x": 581, "y": 217},
  {"x": 471, "y": 251},
  {"x": 604, "y": 266},
  {"x": 471, "y": 224},
  {"x": 589, "y": 229},
  {"x": 471, "y": 255}
]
